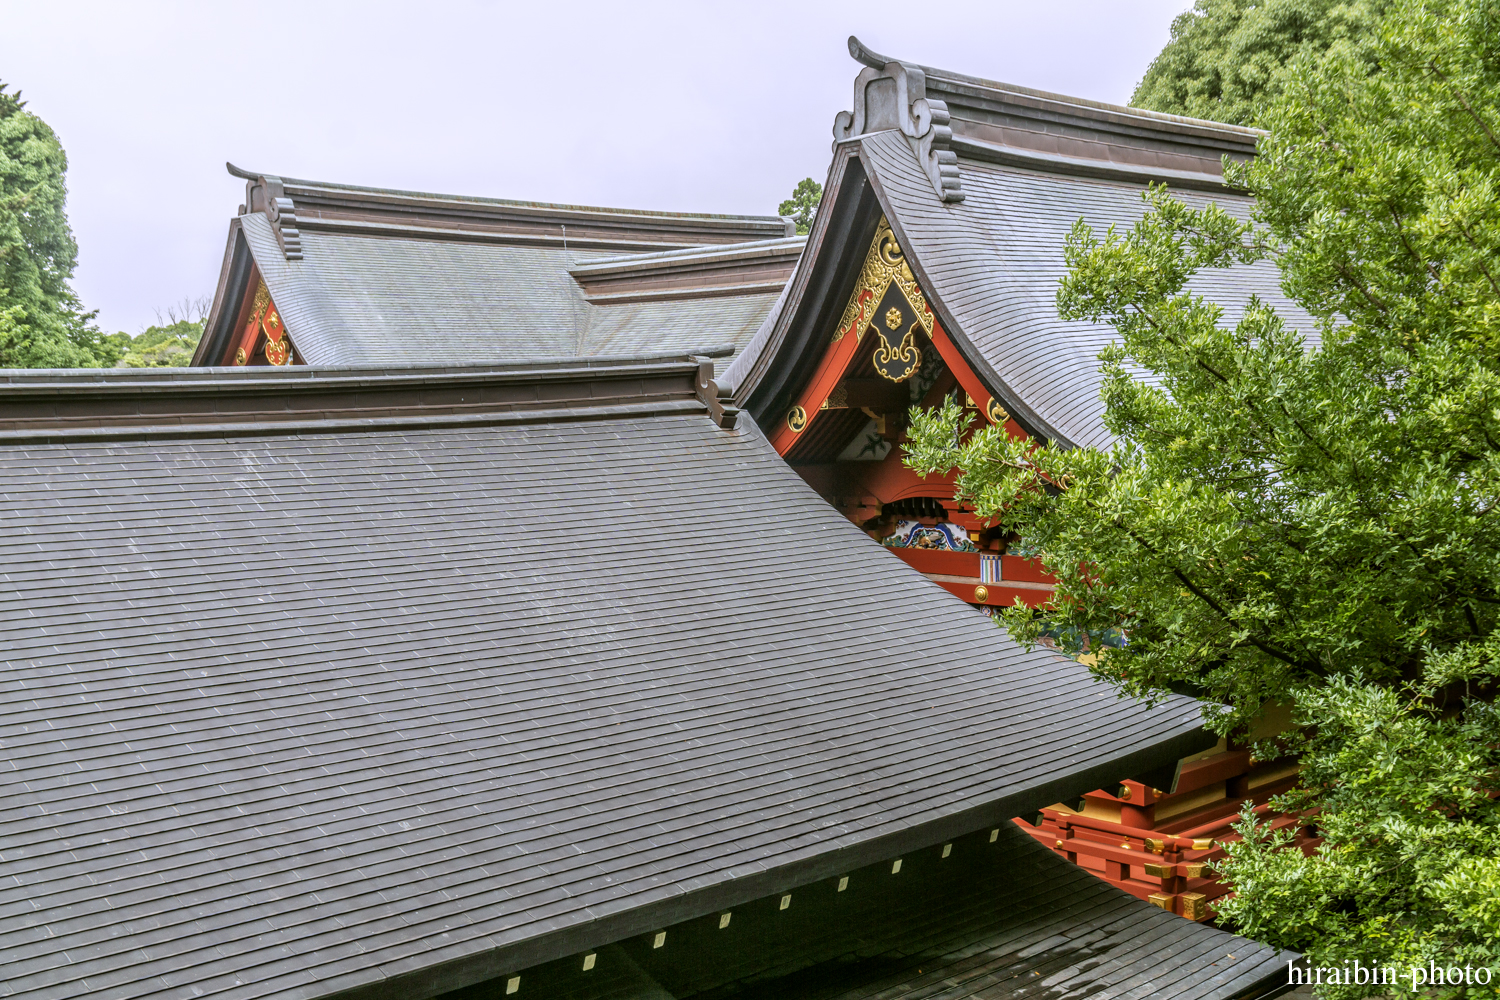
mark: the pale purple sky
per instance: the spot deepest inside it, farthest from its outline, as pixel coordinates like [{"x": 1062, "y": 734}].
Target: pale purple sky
[{"x": 672, "y": 106}]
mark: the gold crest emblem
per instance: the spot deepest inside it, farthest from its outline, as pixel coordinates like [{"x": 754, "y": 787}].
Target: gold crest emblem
[
  {"x": 885, "y": 264},
  {"x": 898, "y": 363}
]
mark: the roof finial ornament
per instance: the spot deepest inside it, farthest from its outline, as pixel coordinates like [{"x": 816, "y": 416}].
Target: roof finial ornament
[
  {"x": 891, "y": 95},
  {"x": 264, "y": 193}
]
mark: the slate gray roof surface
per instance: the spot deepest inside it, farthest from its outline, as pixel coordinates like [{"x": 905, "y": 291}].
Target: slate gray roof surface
[
  {"x": 993, "y": 920},
  {"x": 677, "y": 325},
  {"x": 994, "y": 262},
  {"x": 381, "y": 300},
  {"x": 302, "y": 710}
]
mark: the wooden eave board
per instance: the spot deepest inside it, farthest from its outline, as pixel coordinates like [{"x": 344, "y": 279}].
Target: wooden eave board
[{"x": 1001, "y": 919}]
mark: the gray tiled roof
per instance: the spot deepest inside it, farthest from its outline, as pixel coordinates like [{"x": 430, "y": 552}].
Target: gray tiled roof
[
  {"x": 977, "y": 919},
  {"x": 994, "y": 262},
  {"x": 301, "y": 709},
  {"x": 677, "y": 325},
  {"x": 991, "y": 265},
  {"x": 384, "y": 300},
  {"x": 373, "y": 300},
  {"x": 981, "y": 182}
]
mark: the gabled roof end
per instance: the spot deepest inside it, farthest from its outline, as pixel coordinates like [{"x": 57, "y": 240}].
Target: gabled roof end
[
  {"x": 266, "y": 194},
  {"x": 892, "y": 95}
]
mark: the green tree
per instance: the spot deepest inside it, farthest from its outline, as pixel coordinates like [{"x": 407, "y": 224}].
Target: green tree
[
  {"x": 169, "y": 346},
  {"x": 171, "y": 342},
  {"x": 42, "y": 324},
  {"x": 1226, "y": 58},
  {"x": 1280, "y": 523},
  {"x": 803, "y": 204}
]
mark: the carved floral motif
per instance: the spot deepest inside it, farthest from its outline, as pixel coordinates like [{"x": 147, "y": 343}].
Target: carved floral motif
[
  {"x": 884, "y": 264},
  {"x": 265, "y": 318}
]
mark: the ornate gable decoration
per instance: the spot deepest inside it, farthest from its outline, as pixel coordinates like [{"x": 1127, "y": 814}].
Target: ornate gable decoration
[
  {"x": 888, "y": 301},
  {"x": 265, "y": 334},
  {"x": 891, "y": 95}
]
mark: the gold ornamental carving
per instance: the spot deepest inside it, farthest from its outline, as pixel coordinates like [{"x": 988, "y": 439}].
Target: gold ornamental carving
[
  {"x": 898, "y": 363},
  {"x": 266, "y": 318},
  {"x": 884, "y": 264},
  {"x": 796, "y": 419},
  {"x": 262, "y": 299},
  {"x": 996, "y": 412}
]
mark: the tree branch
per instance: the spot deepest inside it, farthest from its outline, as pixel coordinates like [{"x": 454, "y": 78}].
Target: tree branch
[
  {"x": 1432, "y": 65},
  {"x": 1480, "y": 262},
  {"x": 1401, "y": 232},
  {"x": 1370, "y": 296}
]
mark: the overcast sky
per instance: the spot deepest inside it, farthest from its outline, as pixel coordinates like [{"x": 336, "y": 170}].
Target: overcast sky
[{"x": 681, "y": 107}]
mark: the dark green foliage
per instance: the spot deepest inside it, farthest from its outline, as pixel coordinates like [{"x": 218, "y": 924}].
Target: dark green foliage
[
  {"x": 1315, "y": 526},
  {"x": 1226, "y": 57},
  {"x": 1410, "y": 871},
  {"x": 41, "y": 322},
  {"x": 803, "y": 204}
]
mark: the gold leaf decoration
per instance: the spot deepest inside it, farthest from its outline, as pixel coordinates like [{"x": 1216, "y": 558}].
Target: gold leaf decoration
[{"x": 884, "y": 264}]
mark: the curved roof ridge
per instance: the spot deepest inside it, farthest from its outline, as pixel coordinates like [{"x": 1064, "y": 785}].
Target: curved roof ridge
[
  {"x": 863, "y": 54},
  {"x": 711, "y": 250},
  {"x": 332, "y": 187}
]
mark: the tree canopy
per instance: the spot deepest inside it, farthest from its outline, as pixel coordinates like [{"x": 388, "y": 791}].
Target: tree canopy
[
  {"x": 803, "y": 204},
  {"x": 42, "y": 324},
  {"x": 1278, "y": 522},
  {"x": 168, "y": 345},
  {"x": 1226, "y": 58}
]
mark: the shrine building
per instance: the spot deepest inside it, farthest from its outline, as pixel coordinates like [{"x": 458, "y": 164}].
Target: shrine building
[
  {"x": 333, "y": 274},
  {"x": 549, "y": 679},
  {"x": 931, "y": 272}
]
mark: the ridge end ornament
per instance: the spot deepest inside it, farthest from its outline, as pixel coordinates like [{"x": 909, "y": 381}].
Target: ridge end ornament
[
  {"x": 892, "y": 95},
  {"x": 266, "y": 194}
]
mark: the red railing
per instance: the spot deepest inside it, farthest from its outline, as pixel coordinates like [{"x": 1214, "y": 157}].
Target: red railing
[{"x": 1169, "y": 862}]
